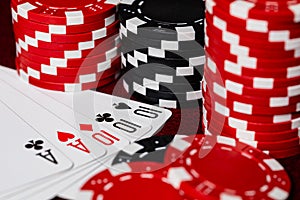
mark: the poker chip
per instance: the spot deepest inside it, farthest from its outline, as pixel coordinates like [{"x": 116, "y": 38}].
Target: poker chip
[
  {"x": 163, "y": 48},
  {"x": 138, "y": 18},
  {"x": 284, "y": 153},
  {"x": 71, "y": 38},
  {"x": 146, "y": 150},
  {"x": 63, "y": 29},
  {"x": 109, "y": 68},
  {"x": 198, "y": 155},
  {"x": 184, "y": 164},
  {"x": 45, "y": 70},
  {"x": 166, "y": 103},
  {"x": 251, "y": 84},
  {"x": 222, "y": 94},
  {"x": 232, "y": 68},
  {"x": 165, "y": 73},
  {"x": 162, "y": 44},
  {"x": 161, "y": 86},
  {"x": 167, "y": 100},
  {"x": 65, "y": 87},
  {"x": 123, "y": 177},
  {"x": 253, "y": 135},
  {"x": 129, "y": 45},
  {"x": 257, "y": 82},
  {"x": 68, "y": 54},
  {"x": 138, "y": 57},
  {"x": 66, "y": 13},
  {"x": 250, "y": 109},
  {"x": 66, "y": 47},
  {"x": 25, "y": 40}
]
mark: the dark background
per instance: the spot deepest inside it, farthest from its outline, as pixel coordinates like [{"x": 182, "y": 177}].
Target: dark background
[{"x": 7, "y": 55}]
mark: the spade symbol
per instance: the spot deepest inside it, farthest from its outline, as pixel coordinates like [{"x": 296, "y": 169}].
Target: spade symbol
[{"x": 121, "y": 106}]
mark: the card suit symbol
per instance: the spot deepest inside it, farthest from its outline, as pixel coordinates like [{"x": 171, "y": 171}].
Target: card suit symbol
[
  {"x": 64, "y": 137},
  {"x": 36, "y": 145},
  {"x": 106, "y": 117},
  {"x": 121, "y": 106}
]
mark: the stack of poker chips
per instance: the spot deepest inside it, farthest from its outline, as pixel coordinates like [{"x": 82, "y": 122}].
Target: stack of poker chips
[
  {"x": 66, "y": 46},
  {"x": 252, "y": 75},
  {"x": 162, "y": 51}
]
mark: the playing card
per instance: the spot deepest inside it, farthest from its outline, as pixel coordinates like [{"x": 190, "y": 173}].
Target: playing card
[
  {"x": 119, "y": 114},
  {"x": 80, "y": 122},
  {"x": 73, "y": 190},
  {"x": 26, "y": 156},
  {"x": 91, "y": 141},
  {"x": 61, "y": 108}
]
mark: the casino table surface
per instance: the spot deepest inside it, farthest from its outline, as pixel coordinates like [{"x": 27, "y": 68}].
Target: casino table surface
[{"x": 7, "y": 55}]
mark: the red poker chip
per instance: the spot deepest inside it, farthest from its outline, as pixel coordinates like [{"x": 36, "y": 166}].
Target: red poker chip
[
  {"x": 54, "y": 71},
  {"x": 112, "y": 184},
  {"x": 265, "y": 25},
  {"x": 241, "y": 113},
  {"x": 71, "y": 38},
  {"x": 62, "y": 29},
  {"x": 262, "y": 171},
  {"x": 245, "y": 41},
  {"x": 233, "y": 68},
  {"x": 29, "y": 41},
  {"x": 268, "y": 118},
  {"x": 269, "y": 146},
  {"x": 253, "y": 62},
  {"x": 285, "y": 153},
  {"x": 251, "y": 126},
  {"x": 248, "y": 51},
  {"x": 218, "y": 91},
  {"x": 63, "y": 13},
  {"x": 71, "y": 63},
  {"x": 68, "y": 54},
  {"x": 251, "y": 108},
  {"x": 217, "y": 127},
  {"x": 239, "y": 26},
  {"x": 65, "y": 87},
  {"x": 254, "y": 82},
  {"x": 112, "y": 69},
  {"x": 240, "y": 89},
  {"x": 252, "y": 52},
  {"x": 286, "y": 148},
  {"x": 261, "y": 10}
]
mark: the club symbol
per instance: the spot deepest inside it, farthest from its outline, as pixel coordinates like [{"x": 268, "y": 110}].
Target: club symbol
[
  {"x": 37, "y": 145},
  {"x": 106, "y": 117}
]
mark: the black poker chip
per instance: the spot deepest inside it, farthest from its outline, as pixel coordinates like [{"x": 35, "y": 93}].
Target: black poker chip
[
  {"x": 129, "y": 45},
  {"x": 149, "y": 149},
  {"x": 164, "y": 20},
  {"x": 161, "y": 86}
]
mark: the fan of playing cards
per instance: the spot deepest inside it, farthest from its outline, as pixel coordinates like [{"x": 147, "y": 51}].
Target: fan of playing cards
[{"x": 52, "y": 140}]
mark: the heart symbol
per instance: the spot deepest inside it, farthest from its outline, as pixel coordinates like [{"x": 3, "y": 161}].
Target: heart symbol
[
  {"x": 64, "y": 137},
  {"x": 122, "y": 106}
]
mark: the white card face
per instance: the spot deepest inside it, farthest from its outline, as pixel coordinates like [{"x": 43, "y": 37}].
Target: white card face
[
  {"x": 92, "y": 133},
  {"x": 62, "y": 135},
  {"x": 129, "y": 117},
  {"x": 94, "y": 140},
  {"x": 73, "y": 191},
  {"x": 26, "y": 156},
  {"x": 75, "y": 179}
]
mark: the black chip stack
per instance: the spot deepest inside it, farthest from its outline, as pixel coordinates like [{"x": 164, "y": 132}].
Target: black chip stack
[{"x": 162, "y": 51}]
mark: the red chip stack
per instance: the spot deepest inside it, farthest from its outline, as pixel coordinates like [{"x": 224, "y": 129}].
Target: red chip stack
[
  {"x": 252, "y": 74},
  {"x": 66, "y": 46}
]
